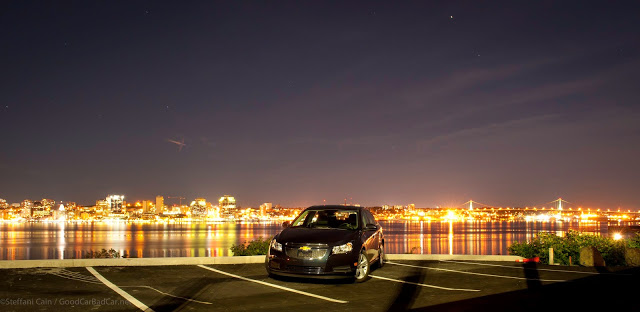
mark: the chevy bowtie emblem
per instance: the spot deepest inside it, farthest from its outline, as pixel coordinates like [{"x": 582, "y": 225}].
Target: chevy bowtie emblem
[{"x": 305, "y": 248}]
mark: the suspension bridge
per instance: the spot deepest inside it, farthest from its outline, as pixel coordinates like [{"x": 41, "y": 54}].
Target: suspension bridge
[{"x": 558, "y": 204}]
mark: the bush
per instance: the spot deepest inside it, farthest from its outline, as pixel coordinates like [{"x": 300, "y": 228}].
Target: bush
[
  {"x": 111, "y": 253},
  {"x": 251, "y": 248},
  {"x": 525, "y": 250},
  {"x": 634, "y": 242},
  {"x": 569, "y": 246}
]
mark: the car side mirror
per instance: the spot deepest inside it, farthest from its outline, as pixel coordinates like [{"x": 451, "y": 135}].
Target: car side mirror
[
  {"x": 371, "y": 227},
  {"x": 286, "y": 224}
]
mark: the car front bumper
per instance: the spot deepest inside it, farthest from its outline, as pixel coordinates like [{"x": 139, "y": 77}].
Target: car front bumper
[{"x": 329, "y": 266}]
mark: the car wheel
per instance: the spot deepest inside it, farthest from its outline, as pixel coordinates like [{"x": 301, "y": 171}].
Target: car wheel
[
  {"x": 381, "y": 257},
  {"x": 362, "y": 270}
]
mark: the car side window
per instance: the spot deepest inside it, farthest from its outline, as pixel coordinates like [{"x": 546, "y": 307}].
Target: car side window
[
  {"x": 369, "y": 219},
  {"x": 302, "y": 219}
]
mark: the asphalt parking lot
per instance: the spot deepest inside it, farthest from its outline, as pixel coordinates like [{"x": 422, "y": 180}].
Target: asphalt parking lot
[{"x": 398, "y": 286}]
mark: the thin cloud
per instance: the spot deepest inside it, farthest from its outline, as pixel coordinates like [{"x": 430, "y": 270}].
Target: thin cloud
[
  {"x": 469, "y": 133},
  {"x": 426, "y": 92}
]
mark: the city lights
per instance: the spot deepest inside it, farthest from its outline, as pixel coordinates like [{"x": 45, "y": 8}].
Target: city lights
[{"x": 114, "y": 208}]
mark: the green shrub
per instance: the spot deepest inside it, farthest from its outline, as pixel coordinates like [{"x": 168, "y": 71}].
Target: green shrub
[
  {"x": 634, "y": 242},
  {"x": 111, "y": 253},
  {"x": 251, "y": 248},
  {"x": 569, "y": 246},
  {"x": 525, "y": 250}
]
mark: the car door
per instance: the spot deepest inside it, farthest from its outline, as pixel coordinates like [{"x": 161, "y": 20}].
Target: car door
[
  {"x": 379, "y": 234},
  {"x": 370, "y": 235}
]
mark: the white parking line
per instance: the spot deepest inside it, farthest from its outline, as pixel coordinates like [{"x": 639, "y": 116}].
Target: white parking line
[
  {"x": 167, "y": 294},
  {"x": 537, "y": 269},
  {"x": 419, "y": 284},
  {"x": 120, "y": 292},
  {"x": 274, "y": 285},
  {"x": 474, "y": 273}
]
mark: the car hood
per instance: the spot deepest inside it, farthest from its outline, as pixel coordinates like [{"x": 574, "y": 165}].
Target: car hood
[{"x": 330, "y": 237}]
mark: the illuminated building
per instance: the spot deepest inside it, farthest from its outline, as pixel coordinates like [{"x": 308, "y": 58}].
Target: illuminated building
[
  {"x": 27, "y": 203},
  {"x": 3, "y": 203},
  {"x": 264, "y": 208},
  {"x": 101, "y": 205},
  {"x": 159, "y": 204},
  {"x": 69, "y": 205},
  {"x": 60, "y": 214},
  {"x": 38, "y": 210},
  {"x": 147, "y": 206},
  {"x": 227, "y": 204},
  {"x": 48, "y": 203},
  {"x": 115, "y": 203},
  {"x": 199, "y": 208}
]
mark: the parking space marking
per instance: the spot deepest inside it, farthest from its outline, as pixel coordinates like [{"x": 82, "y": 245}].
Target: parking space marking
[
  {"x": 167, "y": 294},
  {"x": 419, "y": 284},
  {"x": 273, "y": 285},
  {"x": 537, "y": 269},
  {"x": 75, "y": 276},
  {"x": 120, "y": 292},
  {"x": 474, "y": 273},
  {"x": 70, "y": 275}
]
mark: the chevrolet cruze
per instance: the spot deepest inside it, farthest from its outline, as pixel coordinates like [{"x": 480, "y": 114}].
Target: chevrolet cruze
[{"x": 328, "y": 242}]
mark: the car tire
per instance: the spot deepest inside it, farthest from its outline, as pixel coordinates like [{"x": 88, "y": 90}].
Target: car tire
[
  {"x": 363, "y": 268},
  {"x": 381, "y": 257}
]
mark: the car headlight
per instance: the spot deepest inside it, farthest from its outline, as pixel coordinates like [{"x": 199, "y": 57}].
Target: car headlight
[
  {"x": 342, "y": 249},
  {"x": 275, "y": 245}
]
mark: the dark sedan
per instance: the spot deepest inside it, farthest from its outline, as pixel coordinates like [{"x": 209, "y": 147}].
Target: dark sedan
[{"x": 328, "y": 241}]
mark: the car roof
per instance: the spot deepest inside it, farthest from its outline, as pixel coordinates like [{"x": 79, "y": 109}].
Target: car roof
[{"x": 342, "y": 207}]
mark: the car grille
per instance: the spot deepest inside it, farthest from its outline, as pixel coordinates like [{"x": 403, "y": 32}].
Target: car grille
[
  {"x": 304, "y": 269},
  {"x": 311, "y": 254}
]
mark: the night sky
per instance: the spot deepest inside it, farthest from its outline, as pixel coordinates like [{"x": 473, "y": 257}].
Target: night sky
[{"x": 509, "y": 103}]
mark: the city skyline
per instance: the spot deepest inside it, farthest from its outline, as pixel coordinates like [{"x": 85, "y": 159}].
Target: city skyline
[
  {"x": 177, "y": 201},
  {"x": 512, "y": 104},
  {"x": 115, "y": 208}
]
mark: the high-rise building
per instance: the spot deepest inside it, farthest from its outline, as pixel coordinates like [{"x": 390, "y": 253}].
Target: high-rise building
[
  {"x": 199, "y": 208},
  {"x": 115, "y": 203},
  {"x": 147, "y": 206},
  {"x": 159, "y": 204},
  {"x": 227, "y": 204},
  {"x": 264, "y": 208}
]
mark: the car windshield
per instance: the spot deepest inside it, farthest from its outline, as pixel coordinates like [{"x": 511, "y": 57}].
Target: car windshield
[{"x": 327, "y": 219}]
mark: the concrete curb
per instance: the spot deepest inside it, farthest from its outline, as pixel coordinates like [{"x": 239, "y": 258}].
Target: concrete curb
[
  {"x": 392, "y": 257},
  {"x": 69, "y": 263}
]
